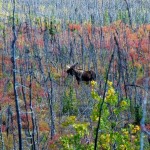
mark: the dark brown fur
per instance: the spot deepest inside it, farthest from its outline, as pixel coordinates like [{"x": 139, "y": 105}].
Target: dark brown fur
[{"x": 81, "y": 75}]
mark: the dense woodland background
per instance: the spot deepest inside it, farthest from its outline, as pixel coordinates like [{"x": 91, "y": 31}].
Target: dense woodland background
[{"x": 41, "y": 107}]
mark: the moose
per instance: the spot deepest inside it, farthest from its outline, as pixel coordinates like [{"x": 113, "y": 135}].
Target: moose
[{"x": 81, "y": 75}]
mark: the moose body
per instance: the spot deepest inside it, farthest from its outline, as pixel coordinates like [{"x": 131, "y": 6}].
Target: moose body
[{"x": 81, "y": 75}]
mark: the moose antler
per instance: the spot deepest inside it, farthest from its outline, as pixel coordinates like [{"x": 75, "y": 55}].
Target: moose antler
[
  {"x": 74, "y": 65},
  {"x": 67, "y": 66}
]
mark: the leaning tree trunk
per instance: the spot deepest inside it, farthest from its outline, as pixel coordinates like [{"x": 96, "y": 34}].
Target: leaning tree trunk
[{"x": 101, "y": 105}]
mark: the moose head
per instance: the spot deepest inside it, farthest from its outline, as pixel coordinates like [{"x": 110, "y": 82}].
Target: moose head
[{"x": 81, "y": 75}]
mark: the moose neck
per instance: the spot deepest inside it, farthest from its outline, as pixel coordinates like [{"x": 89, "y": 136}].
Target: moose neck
[{"x": 77, "y": 74}]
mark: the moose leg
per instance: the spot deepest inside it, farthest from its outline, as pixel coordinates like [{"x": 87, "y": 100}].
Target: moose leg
[{"x": 78, "y": 82}]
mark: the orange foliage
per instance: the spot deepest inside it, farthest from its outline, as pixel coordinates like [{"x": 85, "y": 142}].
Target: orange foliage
[
  {"x": 133, "y": 36},
  {"x": 105, "y": 29},
  {"x": 89, "y": 28},
  {"x": 141, "y": 32},
  {"x": 148, "y": 27},
  {"x": 43, "y": 126},
  {"x": 74, "y": 27}
]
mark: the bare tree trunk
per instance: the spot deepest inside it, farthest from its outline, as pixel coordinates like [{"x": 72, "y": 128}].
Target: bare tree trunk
[
  {"x": 32, "y": 115},
  {"x": 144, "y": 114},
  {"x": 51, "y": 105},
  {"x": 13, "y": 46},
  {"x": 101, "y": 105},
  {"x": 25, "y": 104},
  {"x": 1, "y": 135},
  {"x": 129, "y": 14},
  {"x": 4, "y": 51}
]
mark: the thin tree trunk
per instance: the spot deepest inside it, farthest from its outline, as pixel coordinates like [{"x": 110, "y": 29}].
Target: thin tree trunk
[
  {"x": 144, "y": 114},
  {"x": 101, "y": 105},
  {"x": 51, "y": 105},
  {"x": 4, "y": 51},
  {"x": 13, "y": 46},
  {"x": 1, "y": 135},
  {"x": 129, "y": 14},
  {"x": 25, "y": 103},
  {"x": 32, "y": 115}
]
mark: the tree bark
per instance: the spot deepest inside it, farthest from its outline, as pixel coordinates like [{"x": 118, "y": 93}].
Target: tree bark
[{"x": 13, "y": 46}]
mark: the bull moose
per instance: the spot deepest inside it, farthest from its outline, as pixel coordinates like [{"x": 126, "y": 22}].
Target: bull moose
[{"x": 81, "y": 75}]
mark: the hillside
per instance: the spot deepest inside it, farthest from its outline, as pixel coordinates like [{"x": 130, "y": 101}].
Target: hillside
[{"x": 102, "y": 102}]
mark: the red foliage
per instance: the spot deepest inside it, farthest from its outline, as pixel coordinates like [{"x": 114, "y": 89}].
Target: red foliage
[
  {"x": 144, "y": 45},
  {"x": 40, "y": 42},
  {"x": 24, "y": 120},
  {"x": 3, "y": 128}
]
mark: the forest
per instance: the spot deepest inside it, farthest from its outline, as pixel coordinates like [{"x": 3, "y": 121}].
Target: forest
[{"x": 74, "y": 74}]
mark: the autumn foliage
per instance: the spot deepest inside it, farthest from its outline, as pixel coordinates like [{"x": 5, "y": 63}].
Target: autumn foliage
[{"x": 41, "y": 60}]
